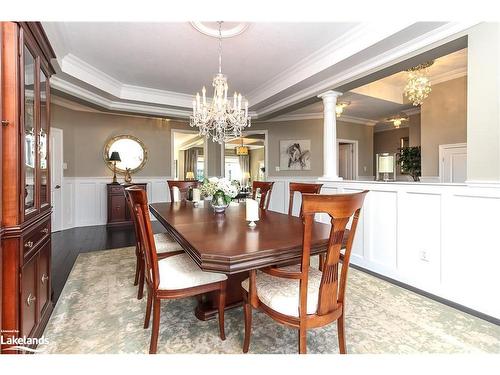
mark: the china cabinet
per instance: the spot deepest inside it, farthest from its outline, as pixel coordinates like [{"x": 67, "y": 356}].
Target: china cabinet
[{"x": 26, "y": 208}]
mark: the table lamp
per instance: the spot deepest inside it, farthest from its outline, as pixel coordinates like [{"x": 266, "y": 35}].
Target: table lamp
[
  {"x": 385, "y": 165},
  {"x": 189, "y": 176},
  {"x": 115, "y": 156}
]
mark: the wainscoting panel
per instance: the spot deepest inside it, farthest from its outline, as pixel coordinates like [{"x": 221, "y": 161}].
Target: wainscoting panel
[
  {"x": 441, "y": 238},
  {"x": 85, "y": 198}
]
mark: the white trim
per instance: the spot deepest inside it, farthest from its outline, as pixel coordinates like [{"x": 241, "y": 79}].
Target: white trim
[
  {"x": 357, "y": 120},
  {"x": 412, "y": 111},
  {"x": 449, "y": 75},
  {"x": 442, "y": 148},
  {"x": 296, "y": 117},
  {"x": 172, "y": 149},
  {"x": 400, "y": 53},
  {"x": 382, "y": 127},
  {"x": 483, "y": 183},
  {"x": 355, "y": 159}
]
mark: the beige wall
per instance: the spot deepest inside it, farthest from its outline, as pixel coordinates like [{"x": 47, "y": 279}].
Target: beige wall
[
  {"x": 313, "y": 130},
  {"x": 443, "y": 121},
  {"x": 414, "y": 125},
  {"x": 255, "y": 157},
  {"x": 85, "y": 134},
  {"x": 389, "y": 141}
]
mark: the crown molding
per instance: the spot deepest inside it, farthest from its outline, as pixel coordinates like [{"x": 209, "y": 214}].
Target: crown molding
[
  {"x": 296, "y": 117},
  {"x": 381, "y": 127},
  {"x": 427, "y": 41},
  {"x": 111, "y": 105},
  {"x": 449, "y": 75},
  {"x": 357, "y": 120},
  {"x": 412, "y": 111},
  {"x": 353, "y": 41}
]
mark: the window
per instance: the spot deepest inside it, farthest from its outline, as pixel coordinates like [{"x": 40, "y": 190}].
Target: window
[
  {"x": 233, "y": 171},
  {"x": 200, "y": 168}
]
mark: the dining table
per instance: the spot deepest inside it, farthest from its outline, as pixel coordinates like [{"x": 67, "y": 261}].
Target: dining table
[{"x": 225, "y": 243}]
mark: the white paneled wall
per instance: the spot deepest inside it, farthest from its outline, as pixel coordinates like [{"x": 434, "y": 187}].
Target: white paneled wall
[
  {"x": 85, "y": 198},
  {"x": 444, "y": 239}
]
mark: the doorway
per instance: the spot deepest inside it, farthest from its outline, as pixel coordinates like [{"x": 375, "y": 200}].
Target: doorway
[
  {"x": 56, "y": 177},
  {"x": 453, "y": 163},
  {"x": 347, "y": 159}
]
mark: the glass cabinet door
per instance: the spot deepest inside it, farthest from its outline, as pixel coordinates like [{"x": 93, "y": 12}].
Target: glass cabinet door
[
  {"x": 43, "y": 139},
  {"x": 29, "y": 132}
]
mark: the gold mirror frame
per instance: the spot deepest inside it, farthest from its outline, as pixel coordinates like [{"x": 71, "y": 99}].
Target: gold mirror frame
[{"x": 111, "y": 141}]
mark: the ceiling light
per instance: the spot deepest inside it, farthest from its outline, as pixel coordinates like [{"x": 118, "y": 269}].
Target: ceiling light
[
  {"x": 397, "y": 120},
  {"x": 339, "y": 108},
  {"x": 418, "y": 86},
  {"x": 220, "y": 119},
  {"x": 241, "y": 150}
]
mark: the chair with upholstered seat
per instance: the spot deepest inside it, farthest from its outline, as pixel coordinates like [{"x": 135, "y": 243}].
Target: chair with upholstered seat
[
  {"x": 165, "y": 244},
  {"x": 265, "y": 189},
  {"x": 183, "y": 187},
  {"x": 175, "y": 276},
  {"x": 300, "y": 296}
]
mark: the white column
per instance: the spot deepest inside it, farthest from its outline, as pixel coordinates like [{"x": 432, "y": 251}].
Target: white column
[{"x": 330, "y": 135}]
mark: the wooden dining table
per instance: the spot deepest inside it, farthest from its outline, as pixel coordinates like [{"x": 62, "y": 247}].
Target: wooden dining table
[{"x": 225, "y": 243}]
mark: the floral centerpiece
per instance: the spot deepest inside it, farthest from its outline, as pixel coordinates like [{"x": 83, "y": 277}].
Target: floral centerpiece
[{"x": 221, "y": 191}]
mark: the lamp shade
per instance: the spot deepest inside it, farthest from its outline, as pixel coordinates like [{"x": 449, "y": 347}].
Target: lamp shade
[
  {"x": 386, "y": 164},
  {"x": 189, "y": 175},
  {"x": 115, "y": 156}
]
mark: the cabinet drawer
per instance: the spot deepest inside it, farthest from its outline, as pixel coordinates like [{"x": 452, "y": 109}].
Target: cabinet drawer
[
  {"x": 35, "y": 237},
  {"x": 115, "y": 189},
  {"x": 43, "y": 278},
  {"x": 28, "y": 297}
]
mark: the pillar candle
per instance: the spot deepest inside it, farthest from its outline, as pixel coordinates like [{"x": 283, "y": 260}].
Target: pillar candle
[
  {"x": 177, "y": 194},
  {"x": 196, "y": 195},
  {"x": 252, "y": 210}
]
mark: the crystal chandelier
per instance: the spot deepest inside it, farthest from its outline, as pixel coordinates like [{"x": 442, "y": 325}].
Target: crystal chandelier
[
  {"x": 419, "y": 85},
  {"x": 220, "y": 119}
]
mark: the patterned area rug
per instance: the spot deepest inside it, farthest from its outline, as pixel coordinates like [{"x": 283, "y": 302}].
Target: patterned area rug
[{"x": 98, "y": 313}]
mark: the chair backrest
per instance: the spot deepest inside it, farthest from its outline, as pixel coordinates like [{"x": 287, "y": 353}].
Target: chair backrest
[
  {"x": 139, "y": 201},
  {"x": 134, "y": 221},
  {"x": 303, "y": 189},
  {"x": 183, "y": 187},
  {"x": 265, "y": 192},
  {"x": 341, "y": 208}
]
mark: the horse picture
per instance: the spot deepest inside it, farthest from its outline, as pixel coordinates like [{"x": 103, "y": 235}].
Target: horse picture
[{"x": 295, "y": 155}]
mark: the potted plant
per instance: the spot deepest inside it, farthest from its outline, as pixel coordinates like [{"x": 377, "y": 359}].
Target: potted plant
[
  {"x": 410, "y": 161},
  {"x": 221, "y": 191}
]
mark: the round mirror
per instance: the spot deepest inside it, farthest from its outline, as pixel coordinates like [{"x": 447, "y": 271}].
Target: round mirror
[{"x": 130, "y": 150}]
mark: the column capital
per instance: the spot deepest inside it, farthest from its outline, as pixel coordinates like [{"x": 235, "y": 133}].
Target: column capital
[{"x": 329, "y": 95}]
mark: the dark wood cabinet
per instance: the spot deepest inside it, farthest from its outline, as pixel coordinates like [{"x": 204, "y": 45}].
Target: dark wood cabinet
[
  {"x": 118, "y": 212},
  {"x": 25, "y": 197}
]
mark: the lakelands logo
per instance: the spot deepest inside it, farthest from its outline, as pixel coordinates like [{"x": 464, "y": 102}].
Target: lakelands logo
[{"x": 24, "y": 343}]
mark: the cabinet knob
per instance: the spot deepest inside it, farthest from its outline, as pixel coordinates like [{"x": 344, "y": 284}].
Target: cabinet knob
[
  {"x": 29, "y": 244},
  {"x": 30, "y": 299},
  {"x": 5, "y": 122},
  {"x": 44, "y": 278},
  {"x": 45, "y": 230}
]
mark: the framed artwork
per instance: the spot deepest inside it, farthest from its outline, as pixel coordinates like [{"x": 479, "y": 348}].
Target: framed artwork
[{"x": 295, "y": 155}]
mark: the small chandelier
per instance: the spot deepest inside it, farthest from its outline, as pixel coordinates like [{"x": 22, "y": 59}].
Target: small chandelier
[
  {"x": 339, "y": 108},
  {"x": 397, "y": 120},
  {"x": 220, "y": 119},
  {"x": 241, "y": 150},
  {"x": 419, "y": 85}
]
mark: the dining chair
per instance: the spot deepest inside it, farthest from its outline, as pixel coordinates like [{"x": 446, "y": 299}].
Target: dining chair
[
  {"x": 300, "y": 296},
  {"x": 302, "y": 188},
  {"x": 183, "y": 187},
  {"x": 175, "y": 276},
  {"x": 265, "y": 192},
  {"x": 165, "y": 244}
]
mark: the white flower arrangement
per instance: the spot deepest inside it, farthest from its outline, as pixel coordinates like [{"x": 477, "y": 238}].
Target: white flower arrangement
[{"x": 214, "y": 185}]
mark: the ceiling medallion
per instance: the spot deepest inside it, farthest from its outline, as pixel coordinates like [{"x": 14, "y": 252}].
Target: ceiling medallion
[
  {"x": 418, "y": 86},
  {"x": 222, "y": 119},
  {"x": 236, "y": 28}
]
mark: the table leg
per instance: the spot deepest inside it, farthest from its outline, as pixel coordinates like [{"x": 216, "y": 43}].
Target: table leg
[{"x": 207, "y": 303}]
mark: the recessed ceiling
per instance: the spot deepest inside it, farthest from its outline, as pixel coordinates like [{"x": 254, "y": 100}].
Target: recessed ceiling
[{"x": 156, "y": 68}]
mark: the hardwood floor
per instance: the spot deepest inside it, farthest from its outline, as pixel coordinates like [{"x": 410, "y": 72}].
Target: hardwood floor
[{"x": 67, "y": 244}]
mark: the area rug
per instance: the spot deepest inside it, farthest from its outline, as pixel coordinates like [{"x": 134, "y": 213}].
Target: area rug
[{"x": 98, "y": 312}]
